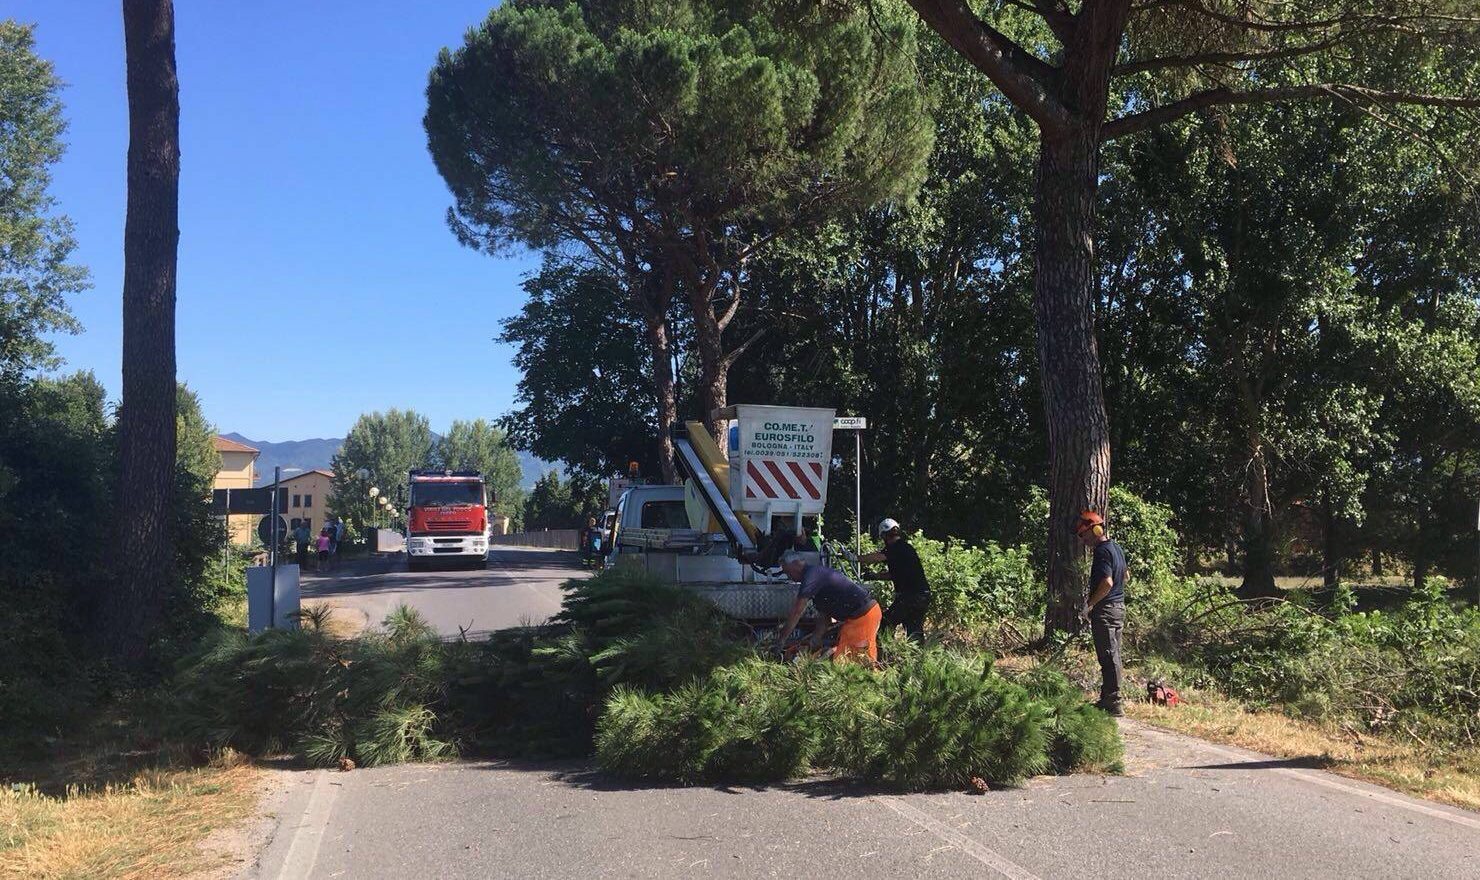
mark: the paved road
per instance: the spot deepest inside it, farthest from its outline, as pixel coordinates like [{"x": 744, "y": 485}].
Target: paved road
[
  {"x": 1185, "y": 808},
  {"x": 520, "y": 586}
]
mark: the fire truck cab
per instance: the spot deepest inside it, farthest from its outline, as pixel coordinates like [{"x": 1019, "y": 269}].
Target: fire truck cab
[{"x": 447, "y": 518}]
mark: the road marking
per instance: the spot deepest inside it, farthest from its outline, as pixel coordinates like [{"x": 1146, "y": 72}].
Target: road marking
[
  {"x": 960, "y": 841},
  {"x": 1324, "y": 779},
  {"x": 303, "y": 853}
]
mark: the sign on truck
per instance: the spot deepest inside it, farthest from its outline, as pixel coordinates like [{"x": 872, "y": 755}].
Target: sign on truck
[{"x": 779, "y": 458}]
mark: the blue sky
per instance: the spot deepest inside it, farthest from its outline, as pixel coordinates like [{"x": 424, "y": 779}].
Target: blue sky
[{"x": 317, "y": 278}]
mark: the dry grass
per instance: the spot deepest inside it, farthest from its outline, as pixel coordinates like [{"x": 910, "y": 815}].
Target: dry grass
[
  {"x": 1449, "y": 776},
  {"x": 153, "y": 826}
]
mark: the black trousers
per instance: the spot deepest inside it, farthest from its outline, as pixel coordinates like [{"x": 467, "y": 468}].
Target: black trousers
[
  {"x": 1105, "y": 623},
  {"x": 907, "y": 610}
]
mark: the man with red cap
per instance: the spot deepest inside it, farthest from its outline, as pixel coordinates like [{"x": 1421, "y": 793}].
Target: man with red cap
[{"x": 1105, "y": 607}]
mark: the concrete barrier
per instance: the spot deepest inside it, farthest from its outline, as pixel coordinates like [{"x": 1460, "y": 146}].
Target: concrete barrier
[{"x": 559, "y": 539}]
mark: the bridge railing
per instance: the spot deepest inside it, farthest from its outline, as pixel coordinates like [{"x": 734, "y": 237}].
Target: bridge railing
[{"x": 559, "y": 539}]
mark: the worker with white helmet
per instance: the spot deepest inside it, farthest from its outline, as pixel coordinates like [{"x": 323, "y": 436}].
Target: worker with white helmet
[{"x": 911, "y": 590}]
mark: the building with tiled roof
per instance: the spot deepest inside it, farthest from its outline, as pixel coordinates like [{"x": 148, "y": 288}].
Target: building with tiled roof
[
  {"x": 308, "y": 498},
  {"x": 238, "y": 470}
]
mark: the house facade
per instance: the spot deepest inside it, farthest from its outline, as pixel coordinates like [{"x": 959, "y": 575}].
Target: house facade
[
  {"x": 238, "y": 471},
  {"x": 308, "y": 499}
]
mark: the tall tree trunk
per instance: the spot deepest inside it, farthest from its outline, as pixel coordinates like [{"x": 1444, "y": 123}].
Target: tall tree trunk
[
  {"x": 146, "y": 423},
  {"x": 1330, "y": 545},
  {"x": 1258, "y": 528},
  {"x": 1422, "y": 559},
  {"x": 663, "y": 389},
  {"x": 714, "y": 366},
  {"x": 1068, "y": 357}
]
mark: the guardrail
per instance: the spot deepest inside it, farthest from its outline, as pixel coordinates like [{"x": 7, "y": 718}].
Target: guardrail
[{"x": 559, "y": 539}]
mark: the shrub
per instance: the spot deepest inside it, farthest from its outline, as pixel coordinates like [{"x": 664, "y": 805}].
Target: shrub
[
  {"x": 943, "y": 720},
  {"x": 745, "y": 723},
  {"x": 1081, "y": 737},
  {"x": 622, "y": 602},
  {"x": 670, "y": 650},
  {"x": 374, "y": 698},
  {"x": 974, "y": 586},
  {"x": 1414, "y": 670},
  {"x": 1143, "y": 528}
]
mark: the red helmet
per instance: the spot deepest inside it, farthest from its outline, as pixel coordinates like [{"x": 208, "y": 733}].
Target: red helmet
[{"x": 1090, "y": 521}]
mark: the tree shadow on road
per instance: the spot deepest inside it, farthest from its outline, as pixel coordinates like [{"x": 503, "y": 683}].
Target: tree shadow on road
[
  {"x": 583, "y": 774},
  {"x": 1306, "y": 762}
]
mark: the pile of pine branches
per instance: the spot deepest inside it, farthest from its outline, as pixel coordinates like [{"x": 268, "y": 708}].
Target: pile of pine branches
[{"x": 652, "y": 680}]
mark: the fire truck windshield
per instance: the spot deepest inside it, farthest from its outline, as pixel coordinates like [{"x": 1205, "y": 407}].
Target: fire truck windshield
[{"x": 446, "y": 494}]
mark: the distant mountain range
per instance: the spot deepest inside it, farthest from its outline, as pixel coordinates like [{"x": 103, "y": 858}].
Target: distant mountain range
[{"x": 296, "y": 456}]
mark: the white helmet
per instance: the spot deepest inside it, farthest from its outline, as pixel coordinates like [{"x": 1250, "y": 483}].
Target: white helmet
[{"x": 888, "y": 525}]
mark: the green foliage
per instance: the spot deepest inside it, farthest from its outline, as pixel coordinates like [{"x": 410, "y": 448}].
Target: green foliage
[
  {"x": 745, "y": 723},
  {"x": 932, "y": 720},
  {"x": 35, "y": 241},
  {"x": 374, "y": 699},
  {"x": 939, "y": 720},
  {"x": 1142, "y": 528},
  {"x": 1412, "y": 671},
  {"x": 972, "y": 587},
  {"x": 1081, "y": 737},
  {"x": 584, "y": 394},
  {"x": 549, "y": 505},
  {"x": 622, "y": 602},
  {"x": 690, "y": 107},
  {"x": 480, "y": 446},
  {"x": 387, "y": 446},
  {"x": 653, "y": 680}
]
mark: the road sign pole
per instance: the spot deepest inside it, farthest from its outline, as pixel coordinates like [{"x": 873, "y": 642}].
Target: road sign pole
[
  {"x": 277, "y": 479},
  {"x": 226, "y": 544},
  {"x": 858, "y": 492}
]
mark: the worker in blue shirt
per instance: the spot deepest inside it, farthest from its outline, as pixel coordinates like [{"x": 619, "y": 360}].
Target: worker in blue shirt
[{"x": 1105, "y": 607}]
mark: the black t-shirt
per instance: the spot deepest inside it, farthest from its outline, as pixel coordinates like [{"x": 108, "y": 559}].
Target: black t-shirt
[
  {"x": 1109, "y": 563},
  {"x": 905, "y": 569}
]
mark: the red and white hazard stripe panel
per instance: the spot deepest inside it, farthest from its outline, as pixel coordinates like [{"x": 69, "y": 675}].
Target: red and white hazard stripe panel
[{"x": 783, "y": 480}]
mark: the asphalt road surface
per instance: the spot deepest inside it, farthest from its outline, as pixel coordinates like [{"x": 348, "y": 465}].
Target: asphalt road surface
[
  {"x": 519, "y": 587},
  {"x": 1185, "y": 808}
]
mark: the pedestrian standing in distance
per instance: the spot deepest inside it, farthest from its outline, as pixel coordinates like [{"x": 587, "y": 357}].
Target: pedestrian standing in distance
[
  {"x": 325, "y": 546},
  {"x": 300, "y": 543},
  {"x": 338, "y": 535},
  {"x": 1105, "y": 607},
  {"x": 911, "y": 591}
]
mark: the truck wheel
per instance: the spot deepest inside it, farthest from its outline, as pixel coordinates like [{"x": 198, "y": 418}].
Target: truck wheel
[{"x": 415, "y": 564}]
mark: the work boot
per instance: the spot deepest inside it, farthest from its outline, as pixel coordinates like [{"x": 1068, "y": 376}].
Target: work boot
[{"x": 1114, "y": 709}]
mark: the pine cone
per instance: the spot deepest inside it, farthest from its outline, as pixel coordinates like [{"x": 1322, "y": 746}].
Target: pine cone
[
  {"x": 978, "y": 785},
  {"x": 346, "y": 765}
]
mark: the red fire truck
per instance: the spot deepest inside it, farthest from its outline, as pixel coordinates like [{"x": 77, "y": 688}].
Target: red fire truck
[{"x": 447, "y": 518}]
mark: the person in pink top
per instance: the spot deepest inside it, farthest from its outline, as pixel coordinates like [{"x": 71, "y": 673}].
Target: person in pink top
[{"x": 325, "y": 544}]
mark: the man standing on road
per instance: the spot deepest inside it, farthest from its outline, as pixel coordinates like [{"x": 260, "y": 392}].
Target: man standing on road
[
  {"x": 1106, "y": 605},
  {"x": 911, "y": 591},
  {"x": 835, "y": 597},
  {"x": 300, "y": 543}
]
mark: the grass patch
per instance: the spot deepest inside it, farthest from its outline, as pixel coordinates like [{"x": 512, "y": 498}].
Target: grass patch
[
  {"x": 151, "y": 826},
  {"x": 1449, "y": 775}
]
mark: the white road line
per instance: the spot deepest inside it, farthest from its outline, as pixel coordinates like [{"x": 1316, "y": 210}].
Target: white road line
[
  {"x": 960, "y": 841},
  {"x": 303, "y": 853},
  {"x": 1326, "y": 780}
]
